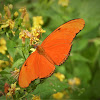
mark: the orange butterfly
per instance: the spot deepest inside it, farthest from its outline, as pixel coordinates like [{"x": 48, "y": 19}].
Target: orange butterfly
[{"x": 54, "y": 50}]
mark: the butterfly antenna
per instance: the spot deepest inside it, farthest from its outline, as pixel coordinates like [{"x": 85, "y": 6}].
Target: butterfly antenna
[{"x": 18, "y": 46}]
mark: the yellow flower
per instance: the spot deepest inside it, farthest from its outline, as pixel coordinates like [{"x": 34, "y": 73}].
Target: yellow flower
[
  {"x": 3, "y": 47},
  {"x": 23, "y": 12},
  {"x": 4, "y": 26},
  {"x": 0, "y": 69},
  {"x": 35, "y": 97},
  {"x": 10, "y": 58},
  {"x": 26, "y": 21},
  {"x": 12, "y": 90},
  {"x": 13, "y": 32},
  {"x": 10, "y": 6},
  {"x": 77, "y": 81},
  {"x": 5, "y": 8},
  {"x": 9, "y": 23},
  {"x": 63, "y": 2},
  {"x": 6, "y": 63},
  {"x": 58, "y": 95},
  {"x": 26, "y": 17},
  {"x": 13, "y": 86},
  {"x": 60, "y": 76},
  {"x": 74, "y": 81},
  {"x": 15, "y": 73},
  {"x": 37, "y": 31},
  {"x": 8, "y": 13},
  {"x": 24, "y": 34},
  {"x": 34, "y": 39},
  {"x": 37, "y": 21},
  {"x": 16, "y": 14},
  {"x": 3, "y": 64},
  {"x": 32, "y": 49}
]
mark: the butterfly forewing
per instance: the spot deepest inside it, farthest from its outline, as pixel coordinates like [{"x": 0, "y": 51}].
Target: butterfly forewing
[{"x": 58, "y": 44}]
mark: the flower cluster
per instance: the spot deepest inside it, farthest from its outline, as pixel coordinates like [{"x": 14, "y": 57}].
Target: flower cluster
[
  {"x": 35, "y": 32},
  {"x": 23, "y": 12},
  {"x": 63, "y": 95},
  {"x": 3, "y": 49},
  {"x": 21, "y": 23},
  {"x": 35, "y": 97},
  {"x": 7, "y": 22},
  {"x": 74, "y": 81},
  {"x": 60, "y": 76},
  {"x": 58, "y": 95},
  {"x": 12, "y": 89}
]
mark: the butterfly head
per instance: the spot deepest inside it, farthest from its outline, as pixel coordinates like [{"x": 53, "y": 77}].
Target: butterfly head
[{"x": 35, "y": 46}]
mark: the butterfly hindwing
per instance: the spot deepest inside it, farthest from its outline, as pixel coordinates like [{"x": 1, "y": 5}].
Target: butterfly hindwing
[
  {"x": 29, "y": 71},
  {"x": 45, "y": 67},
  {"x": 36, "y": 66}
]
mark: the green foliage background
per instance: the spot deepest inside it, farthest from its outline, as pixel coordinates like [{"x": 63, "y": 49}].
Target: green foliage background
[{"x": 85, "y": 59}]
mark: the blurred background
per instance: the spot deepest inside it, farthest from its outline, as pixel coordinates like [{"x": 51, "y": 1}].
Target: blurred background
[{"x": 84, "y": 60}]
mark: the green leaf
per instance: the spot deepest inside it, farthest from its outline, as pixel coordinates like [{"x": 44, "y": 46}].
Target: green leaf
[
  {"x": 4, "y": 72},
  {"x": 82, "y": 70},
  {"x": 79, "y": 44},
  {"x": 96, "y": 84},
  {"x": 3, "y": 98},
  {"x": 18, "y": 63},
  {"x": 99, "y": 58},
  {"x": 97, "y": 41},
  {"x": 10, "y": 47},
  {"x": 3, "y": 57},
  {"x": 61, "y": 69},
  {"x": 79, "y": 57},
  {"x": 89, "y": 10},
  {"x": 49, "y": 87},
  {"x": 90, "y": 52}
]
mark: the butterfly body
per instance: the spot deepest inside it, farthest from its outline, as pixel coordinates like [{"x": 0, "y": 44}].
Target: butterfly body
[
  {"x": 40, "y": 50},
  {"x": 54, "y": 50}
]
